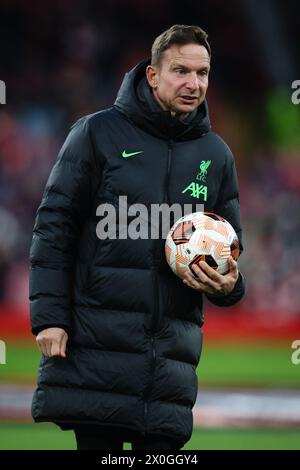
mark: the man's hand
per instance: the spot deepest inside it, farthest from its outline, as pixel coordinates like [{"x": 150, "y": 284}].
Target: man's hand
[
  {"x": 209, "y": 281},
  {"x": 52, "y": 342}
]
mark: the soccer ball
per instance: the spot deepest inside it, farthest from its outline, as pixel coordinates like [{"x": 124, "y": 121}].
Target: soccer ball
[{"x": 201, "y": 236}]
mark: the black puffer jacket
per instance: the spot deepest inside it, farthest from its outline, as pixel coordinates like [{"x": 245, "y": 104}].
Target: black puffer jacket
[{"x": 134, "y": 327}]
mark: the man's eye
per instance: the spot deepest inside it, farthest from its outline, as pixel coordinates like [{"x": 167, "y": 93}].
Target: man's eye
[
  {"x": 180, "y": 71},
  {"x": 203, "y": 73}
]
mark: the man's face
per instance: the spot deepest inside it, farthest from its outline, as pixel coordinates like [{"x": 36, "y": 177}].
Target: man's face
[{"x": 180, "y": 81}]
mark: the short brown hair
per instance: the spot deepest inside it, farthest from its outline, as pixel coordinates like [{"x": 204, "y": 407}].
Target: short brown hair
[{"x": 178, "y": 34}]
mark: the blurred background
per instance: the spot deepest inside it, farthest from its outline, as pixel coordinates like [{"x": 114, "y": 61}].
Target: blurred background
[{"x": 64, "y": 59}]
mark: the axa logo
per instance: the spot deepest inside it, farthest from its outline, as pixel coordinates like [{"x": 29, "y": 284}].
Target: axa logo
[
  {"x": 2, "y": 92},
  {"x": 196, "y": 190},
  {"x": 199, "y": 190}
]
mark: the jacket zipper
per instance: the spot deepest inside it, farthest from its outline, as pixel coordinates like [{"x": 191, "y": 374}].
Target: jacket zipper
[
  {"x": 147, "y": 391},
  {"x": 156, "y": 291},
  {"x": 167, "y": 179},
  {"x": 146, "y": 394}
]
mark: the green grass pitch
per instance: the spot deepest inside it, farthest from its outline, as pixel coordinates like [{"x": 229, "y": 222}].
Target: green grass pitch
[
  {"x": 231, "y": 364},
  {"x": 50, "y": 437}
]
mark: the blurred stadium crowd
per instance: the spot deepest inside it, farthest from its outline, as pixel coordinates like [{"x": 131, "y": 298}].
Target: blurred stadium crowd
[{"x": 64, "y": 59}]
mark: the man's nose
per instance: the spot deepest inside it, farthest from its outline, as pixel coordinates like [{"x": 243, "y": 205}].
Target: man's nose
[{"x": 193, "y": 81}]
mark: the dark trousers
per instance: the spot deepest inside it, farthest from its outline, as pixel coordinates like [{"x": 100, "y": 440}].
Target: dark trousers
[{"x": 94, "y": 438}]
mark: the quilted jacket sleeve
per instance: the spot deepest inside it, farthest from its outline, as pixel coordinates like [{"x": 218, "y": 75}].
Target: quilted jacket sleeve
[
  {"x": 228, "y": 206},
  {"x": 66, "y": 202}
]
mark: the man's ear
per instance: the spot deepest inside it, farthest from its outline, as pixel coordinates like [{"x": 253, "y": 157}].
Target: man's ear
[{"x": 151, "y": 74}]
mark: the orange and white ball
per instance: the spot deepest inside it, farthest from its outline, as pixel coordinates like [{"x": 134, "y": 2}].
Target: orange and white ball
[{"x": 201, "y": 236}]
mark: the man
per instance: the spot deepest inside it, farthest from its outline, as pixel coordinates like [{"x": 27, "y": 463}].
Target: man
[{"x": 119, "y": 332}]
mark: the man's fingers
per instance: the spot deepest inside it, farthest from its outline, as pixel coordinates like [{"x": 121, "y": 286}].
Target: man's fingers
[
  {"x": 207, "y": 280},
  {"x": 41, "y": 347},
  {"x": 210, "y": 272},
  {"x": 202, "y": 283},
  {"x": 55, "y": 349},
  {"x": 44, "y": 347},
  {"x": 197, "y": 273},
  {"x": 47, "y": 345},
  {"x": 52, "y": 342},
  {"x": 195, "y": 285},
  {"x": 204, "y": 276},
  {"x": 42, "y": 344},
  {"x": 232, "y": 264},
  {"x": 63, "y": 345}
]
